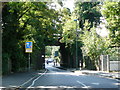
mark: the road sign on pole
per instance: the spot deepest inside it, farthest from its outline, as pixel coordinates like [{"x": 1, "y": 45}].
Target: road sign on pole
[
  {"x": 28, "y": 49},
  {"x": 28, "y": 46}
]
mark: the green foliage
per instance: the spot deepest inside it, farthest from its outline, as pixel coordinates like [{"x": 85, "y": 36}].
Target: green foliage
[
  {"x": 111, "y": 11},
  {"x": 94, "y": 45},
  {"x": 115, "y": 54},
  {"x": 48, "y": 51},
  {"x": 69, "y": 36},
  {"x": 88, "y": 11},
  {"x": 27, "y": 21},
  {"x": 69, "y": 32},
  {"x": 35, "y": 21}
]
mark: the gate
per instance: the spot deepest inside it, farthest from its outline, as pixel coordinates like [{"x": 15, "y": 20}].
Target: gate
[{"x": 107, "y": 64}]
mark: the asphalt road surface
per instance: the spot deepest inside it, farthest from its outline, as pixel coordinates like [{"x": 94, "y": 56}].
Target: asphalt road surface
[{"x": 57, "y": 78}]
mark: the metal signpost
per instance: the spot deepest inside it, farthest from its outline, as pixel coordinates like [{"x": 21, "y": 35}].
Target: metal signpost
[
  {"x": 28, "y": 49},
  {"x": 76, "y": 45}
]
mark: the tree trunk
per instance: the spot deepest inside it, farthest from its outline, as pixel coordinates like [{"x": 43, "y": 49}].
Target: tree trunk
[
  {"x": 98, "y": 64},
  {"x": 64, "y": 55}
]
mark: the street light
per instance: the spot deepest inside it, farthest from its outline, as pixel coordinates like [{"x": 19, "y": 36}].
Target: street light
[{"x": 76, "y": 45}]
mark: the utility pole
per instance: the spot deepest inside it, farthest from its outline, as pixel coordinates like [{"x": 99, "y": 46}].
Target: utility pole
[{"x": 76, "y": 46}]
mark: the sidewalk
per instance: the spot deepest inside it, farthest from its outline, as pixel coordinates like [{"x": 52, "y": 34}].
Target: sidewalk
[
  {"x": 114, "y": 75},
  {"x": 18, "y": 79}
]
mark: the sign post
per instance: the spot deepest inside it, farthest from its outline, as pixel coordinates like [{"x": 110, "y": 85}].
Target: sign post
[
  {"x": 28, "y": 49},
  {"x": 29, "y": 62}
]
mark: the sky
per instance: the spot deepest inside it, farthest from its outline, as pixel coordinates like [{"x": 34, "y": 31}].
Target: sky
[
  {"x": 69, "y": 4},
  {"x": 102, "y": 30}
]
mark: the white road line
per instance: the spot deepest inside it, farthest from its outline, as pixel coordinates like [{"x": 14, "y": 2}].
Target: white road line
[
  {"x": 36, "y": 80},
  {"x": 83, "y": 85},
  {"x": 26, "y": 82}
]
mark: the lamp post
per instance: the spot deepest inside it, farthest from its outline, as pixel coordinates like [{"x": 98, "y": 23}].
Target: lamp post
[{"x": 76, "y": 46}]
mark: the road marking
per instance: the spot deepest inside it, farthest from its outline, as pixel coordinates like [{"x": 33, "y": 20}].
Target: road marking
[
  {"x": 83, "y": 85},
  {"x": 36, "y": 80},
  {"x": 95, "y": 83},
  {"x": 56, "y": 87},
  {"x": 27, "y": 81}
]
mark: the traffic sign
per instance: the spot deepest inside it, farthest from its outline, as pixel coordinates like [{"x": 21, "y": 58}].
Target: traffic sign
[
  {"x": 56, "y": 54},
  {"x": 28, "y": 46}
]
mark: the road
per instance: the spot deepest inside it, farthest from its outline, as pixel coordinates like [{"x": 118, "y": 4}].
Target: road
[{"x": 57, "y": 78}]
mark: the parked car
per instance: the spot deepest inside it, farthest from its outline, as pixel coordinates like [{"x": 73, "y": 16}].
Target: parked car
[{"x": 50, "y": 60}]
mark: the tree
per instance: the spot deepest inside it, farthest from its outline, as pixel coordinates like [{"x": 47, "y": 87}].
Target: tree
[
  {"x": 83, "y": 11},
  {"x": 12, "y": 35},
  {"x": 88, "y": 11},
  {"x": 68, "y": 40},
  {"x": 94, "y": 45},
  {"x": 111, "y": 12},
  {"x": 23, "y": 21}
]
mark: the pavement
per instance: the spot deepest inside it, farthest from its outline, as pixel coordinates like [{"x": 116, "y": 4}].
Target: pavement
[
  {"x": 24, "y": 77},
  {"x": 113, "y": 75},
  {"x": 11, "y": 80},
  {"x": 106, "y": 74}
]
